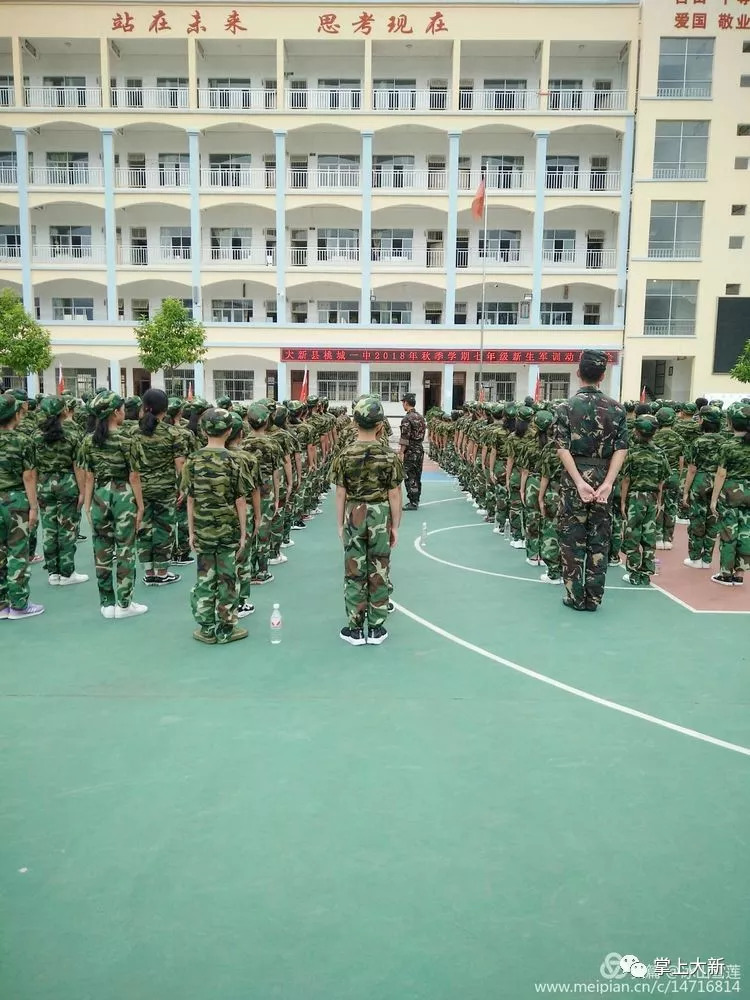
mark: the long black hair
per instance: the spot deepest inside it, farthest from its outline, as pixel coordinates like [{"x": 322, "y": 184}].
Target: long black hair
[
  {"x": 521, "y": 426},
  {"x": 154, "y": 403},
  {"x": 51, "y": 428},
  {"x": 101, "y": 430}
]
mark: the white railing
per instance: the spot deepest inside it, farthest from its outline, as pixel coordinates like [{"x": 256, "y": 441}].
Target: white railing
[
  {"x": 165, "y": 253},
  {"x": 150, "y": 98},
  {"x": 324, "y": 179},
  {"x": 239, "y": 256},
  {"x": 333, "y": 99},
  {"x": 674, "y": 253},
  {"x": 7, "y": 97},
  {"x": 587, "y": 100},
  {"x": 410, "y": 99},
  {"x": 407, "y": 257},
  {"x": 63, "y": 97},
  {"x": 497, "y": 100},
  {"x": 151, "y": 178},
  {"x": 408, "y": 179},
  {"x": 497, "y": 180},
  {"x": 583, "y": 180},
  {"x": 343, "y": 255},
  {"x": 590, "y": 259},
  {"x": 76, "y": 175},
  {"x": 697, "y": 91},
  {"x": 669, "y": 327},
  {"x": 137, "y": 256},
  {"x": 8, "y": 176},
  {"x": 557, "y": 319},
  {"x": 680, "y": 172},
  {"x": 236, "y": 99},
  {"x": 493, "y": 259},
  {"x": 69, "y": 256},
  {"x": 435, "y": 258},
  {"x": 238, "y": 178},
  {"x": 10, "y": 255}
]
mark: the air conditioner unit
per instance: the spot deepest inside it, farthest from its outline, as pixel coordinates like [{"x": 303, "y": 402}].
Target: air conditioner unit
[
  {"x": 31, "y": 49},
  {"x": 434, "y": 235}
]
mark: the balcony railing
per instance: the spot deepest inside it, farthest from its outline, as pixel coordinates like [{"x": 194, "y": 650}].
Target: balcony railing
[
  {"x": 166, "y": 253},
  {"x": 324, "y": 179},
  {"x": 236, "y": 99},
  {"x": 394, "y": 179},
  {"x": 497, "y": 100},
  {"x": 587, "y": 100},
  {"x": 493, "y": 259},
  {"x": 397, "y": 258},
  {"x": 8, "y": 175},
  {"x": 674, "y": 253},
  {"x": 496, "y": 179},
  {"x": 583, "y": 180},
  {"x": 669, "y": 327},
  {"x": 680, "y": 172},
  {"x": 592, "y": 260},
  {"x": 238, "y": 178},
  {"x": 345, "y": 255},
  {"x": 231, "y": 257},
  {"x": 150, "y": 98},
  {"x": 316, "y": 99},
  {"x": 63, "y": 97},
  {"x": 72, "y": 176},
  {"x": 137, "y": 256},
  {"x": 151, "y": 178},
  {"x": 69, "y": 256},
  {"x": 10, "y": 255},
  {"x": 409, "y": 99},
  {"x": 691, "y": 91},
  {"x": 7, "y": 97}
]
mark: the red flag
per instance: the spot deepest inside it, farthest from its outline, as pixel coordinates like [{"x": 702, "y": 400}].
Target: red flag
[
  {"x": 538, "y": 390},
  {"x": 477, "y": 206},
  {"x": 644, "y": 397},
  {"x": 304, "y": 390},
  {"x": 60, "y": 382},
  {"x": 190, "y": 392}
]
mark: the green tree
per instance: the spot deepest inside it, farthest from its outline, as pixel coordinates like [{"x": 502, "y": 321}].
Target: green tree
[
  {"x": 741, "y": 370},
  {"x": 24, "y": 343},
  {"x": 170, "y": 338}
]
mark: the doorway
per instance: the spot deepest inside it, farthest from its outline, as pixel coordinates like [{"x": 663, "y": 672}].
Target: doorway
[
  {"x": 432, "y": 384},
  {"x": 459, "y": 390},
  {"x": 298, "y": 377},
  {"x": 141, "y": 381}
]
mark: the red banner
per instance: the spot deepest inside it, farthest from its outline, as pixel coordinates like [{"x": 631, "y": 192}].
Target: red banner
[{"x": 433, "y": 356}]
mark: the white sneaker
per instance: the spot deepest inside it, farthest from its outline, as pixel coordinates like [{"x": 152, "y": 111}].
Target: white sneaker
[
  {"x": 518, "y": 543},
  {"x": 131, "y": 610},
  {"x": 318, "y": 510},
  {"x": 682, "y": 520},
  {"x": 626, "y": 578},
  {"x": 666, "y": 545},
  {"x": 69, "y": 581},
  {"x": 705, "y": 565},
  {"x": 694, "y": 563},
  {"x": 54, "y": 579},
  {"x": 534, "y": 562},
  {"x": 482, "y": 512},
  {"x": 545, "y": 579},
  {"x": 287, "y": 545},
  {"x": 108, "y": 611},
  {"x": 658, "y": 545},
  {"x": 497, "y": 530},
  {"x": 280, "y": 558}
]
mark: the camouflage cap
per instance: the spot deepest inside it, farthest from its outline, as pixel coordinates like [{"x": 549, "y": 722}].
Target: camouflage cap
[
  {"x": 9, "y": 406},
  {"x": 133, "y": 402},
  {"x": 216, "y": 421},
  {"x": 199, "y": 405},
  {"x": 174, "y": 405},
  {"x": 646, "y": 425},
  {"x": 666, "y": 416},
  {"x": 544, "y": 419},
  {"x": 524, "y": 413},
  {"x": 295, "y": 406},
  {"x": 597, "y": 358},
  {"x": 312, "y": 400},
  {"x": 238, "y": 425},
  {"x": 53, "y": 406},
  {"x": 105, "y": 403},
  {"x": 224, "y": 402},
  {"x": 279, "y": 416},
  {"x": 257, "y": 415},
  {"x": 20, "y": 394},
  {"x": 718, "y": 403},
  {"x": 368, "y": 412},
  {"x": 739, "y": 417},
  {"x": 410, "y": 398},
  {"x": 710, "y": 416},
  {"x": 511, "y": 410},
  {"x": 689, "y": 408},
  {"x": 497, "y": 409}
]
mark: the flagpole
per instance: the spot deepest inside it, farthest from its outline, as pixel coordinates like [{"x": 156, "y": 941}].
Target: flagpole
[{"x": 484, "y": 290}]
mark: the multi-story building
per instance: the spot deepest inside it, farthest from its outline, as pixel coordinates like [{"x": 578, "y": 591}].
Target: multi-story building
[{"x": 302, "y": 177}]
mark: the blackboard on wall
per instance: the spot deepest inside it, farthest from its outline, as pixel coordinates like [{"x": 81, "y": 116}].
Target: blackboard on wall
[{"x": 732, "y": 332}]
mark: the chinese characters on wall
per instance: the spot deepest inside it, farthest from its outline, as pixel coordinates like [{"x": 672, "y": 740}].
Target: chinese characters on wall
[
  {"x": 436, "y": 356},
  {"x": 160, "y": 21},
  {"x": 691, "y": 15}
]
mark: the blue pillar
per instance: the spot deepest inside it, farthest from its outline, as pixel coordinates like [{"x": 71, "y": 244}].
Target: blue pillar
[
  {"x": 538, "y": 240},
  {"x": 281, "y": 310},
  {"x": 114, "y": 376},
  {"x": 195, "y": 228},
  {"x": 281, "y": 380},
  {"x": 110, "y": 233},
  {"x": 454, "y": 139},
  {"x": 365, "y": 232},
  {"x": 199, "y": 377},
  {"x": 623, "y": 227},
  {"x": 24, "y": 223},
  {"x": 364, "y": 376},
  {"x": 448, "y": 388}
]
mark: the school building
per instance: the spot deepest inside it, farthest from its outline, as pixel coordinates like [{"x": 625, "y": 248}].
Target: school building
[{"x": 301, "y": 176}]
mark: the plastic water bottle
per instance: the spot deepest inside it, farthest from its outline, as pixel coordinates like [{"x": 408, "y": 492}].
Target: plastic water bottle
[
  {"x": 423, "y": 536},
  {"x": 276, "y": 624},
  {"x": 506, "y": 530},
  {"x": 657, "y": 567}
]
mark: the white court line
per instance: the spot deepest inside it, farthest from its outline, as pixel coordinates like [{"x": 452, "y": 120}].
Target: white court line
[
  {"x": 429, "y": 503},
  {"x": 489, "y": 572},
  {"x": 578, "y": 692}
]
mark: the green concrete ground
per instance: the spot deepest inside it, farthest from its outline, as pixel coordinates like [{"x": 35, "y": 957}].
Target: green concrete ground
[{"x": 313, "y": 821}]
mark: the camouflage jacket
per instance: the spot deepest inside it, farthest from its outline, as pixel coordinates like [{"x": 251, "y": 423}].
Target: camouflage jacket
[
  {"x": 735, "y": 458},
  {"x": 158, "y": 474},
  {"x": 704, "y": 452},
  {"x": 413, "y": 430},
  {"x": 214, "y": 479},
  {"x": 16, "y": 457},
  {"x": 673, "y": 445},
  {"x": 646, "y": 467},
  {"x": 591, "y": 425},
  {"x": 57, "y": 457},
  {"x": 367, "y": 470},
  {"x": 112, "y": 461},
  {"x": 550, "y": 465}
]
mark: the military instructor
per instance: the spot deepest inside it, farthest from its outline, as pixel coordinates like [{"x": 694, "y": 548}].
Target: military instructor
[
  {"x": 413, "y": 429},
  {"x": 592, "y": 441}
]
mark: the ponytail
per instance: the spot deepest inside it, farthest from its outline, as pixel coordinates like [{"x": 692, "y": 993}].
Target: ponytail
[
  {"x": 154, "y": 403},
  {"x": 52, "y": 429},
  {"x": 101, "y": 431},
  {"x": 148, "y": 423}
]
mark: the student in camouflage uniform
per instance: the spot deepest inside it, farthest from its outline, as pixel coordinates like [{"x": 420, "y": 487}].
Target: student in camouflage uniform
[
  {"x": 413, "y": 430},
  {"x": 531, "y": 477},
  {"x": 497, "y": 460},
  {"x": 368, "y": 477},
  {"x": 260, "y": 443},
  {"x": 703, "y": 462},
  {"x": 18, "y": 513},
  {"x": 644, "y": 474},
  {"x": 113, "y": 501},
  {"x": 592, "y": 442},
  {"x": 250, "y": 462},
  {"x": 214, "y": 484},
  {"x": 283, "y": 421},
  {"x": 551, "y": 469},
  {"x": 732, "y": 483},
  {"x": 513, "y": 475},
  {"x": 688, "y": 427},
  {"x": 181, "y": 548},
  {"x": 27, "y": 426},
  {"x": 286, "y": 443},
  {"x": 164, "y": 451},
  {"x": 60, "y": 488},
  {"x": 674, "y": 447}
]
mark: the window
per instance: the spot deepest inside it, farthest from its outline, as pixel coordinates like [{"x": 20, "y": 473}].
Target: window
[
  {"x": 505, "y": 95},
  {"x": 392, "y": 244},
  {"x": 393, "y": 171},
  {"x": 229, "y": 93},
  {"x": 339, "y": 387},
  {"x": 502, "y": 172},
  {"x": 9, "y": 380},
  {"x": 675, "y": 229},
  {"x": 732, "y": 290},
  {"x": 237, "y": 385},
  {"x": 498, "y": 386},
  {"x": 670, "y": 308},
  {"x": 685, "y": 67},
  {"x": 187, "y": 303},
  {"x": 339, "y": 95},
  {"x": 139, "y": 309},
  {"x": 744, "y": 81},
  {"x": 592, "y": 313},
  {"x": 178, "y": 381},
  {"x": 433, "y": 312},
  {"x": 231, "y": 310},
  {"x": 174, "y": 169},
  {"x": 173, "y": 91},
  {"x": 64, "y": 91},
  {"x": 557, "y": 313},
  {"x": 498, "y": 313},
  {"x": 229, "y": 169},
  {"x": 70, "y": 241},
  {"x": 739, "y": 209},
  {"x": 67, "y": 168},
  {"x": 338, "y": 170},
  {"x": 398, "y": 313},
  {"x": 395, "y": 95},
  {"x": 559, "y": 246},
  {"x": 175, "y": 242},
  {"x": 502, "y": 245},
  {"x": 390, "y": 386},
  {"x": 231, "y": 244},
  {"x": 562, "y": 172},
  {"x": 10, "y": 242},
  {"x": 79, "y": 380},
  {"x": 743, "y": 130},
  {"x": 741, "y": 162},
  {"x": 338, "y": 245},
  {"x": 338, "y": 312},
  {"x": 6, "y": 93},
  {"x": 735, "y": 242},
  {"x": 73, "y": 309},
  {"x": 460, "y": 313},
  {"x": 565, "y": 95},
  {"x": 680, "y": 150},
  {"x": 271, "y": 313},
  {"x": 8, "y": 173},
  {"x": 554, "y": 385}
]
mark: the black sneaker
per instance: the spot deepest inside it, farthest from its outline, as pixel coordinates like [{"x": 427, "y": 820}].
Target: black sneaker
[
  {"x": 737, "y": 580},
  {"x": 81, "y": 538},
  {"x": 376, "y": 636},
  {"x": 152, "y": 580},
  {"x": 245, "y": 609},
  {"x": 354, "y": 636},
  {"x": 411, "y": 506},
  {"x": 391, "y": 607},
  {"x": 258, "y": 581},
  {"x": 725, "y": 579},
  {"x": 183, "y": 559}
]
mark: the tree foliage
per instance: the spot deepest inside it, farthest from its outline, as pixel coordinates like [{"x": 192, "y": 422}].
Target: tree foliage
[
  {"x": 741, "y": 370},
  {"x": 170, "y": 338},
  {"x": 24, "y": 343}
]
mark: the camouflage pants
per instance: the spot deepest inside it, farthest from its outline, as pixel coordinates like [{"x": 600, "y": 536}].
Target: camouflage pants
[
  {"x": 213, "y": 599},
  {"x": 113, "y": 527},
  {"x": 261, "y": 545},
  {"x": 413, "y": 462},
  {"x": 489, "y": 497},
  {"x": 14, "y": 549},
  {"x": 502, "y": 507},
  {"x": 615, "y": 542},
  {"x": 181, "y": 534},
  {"x": 33, "y": 540},
  {"x": 734, "y": 539},
  {"x": 639, "y": 537},
  {"x": 367, "y": 557},
  {"x": 550, "y": 544},
  {"x": 277, "y": 528},
  {"x": 584, "y": 532},
  {"x": 703, "y": 526},
  {"x": 533, "y": 518},
  {"x": 667, "y": 516},
  {"x": 156, "y": 537},
  {"x": 59, "y": 514},
  {"x": 515, "y": 505}
]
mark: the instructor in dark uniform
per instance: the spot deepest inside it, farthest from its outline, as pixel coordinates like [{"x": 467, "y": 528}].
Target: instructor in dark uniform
[
  {"x": 413, "y": 428},
  {"x": 592, "y": 441}
]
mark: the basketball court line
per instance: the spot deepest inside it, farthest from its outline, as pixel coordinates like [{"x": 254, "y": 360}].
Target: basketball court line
[{"x": 569, "y": 689}]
